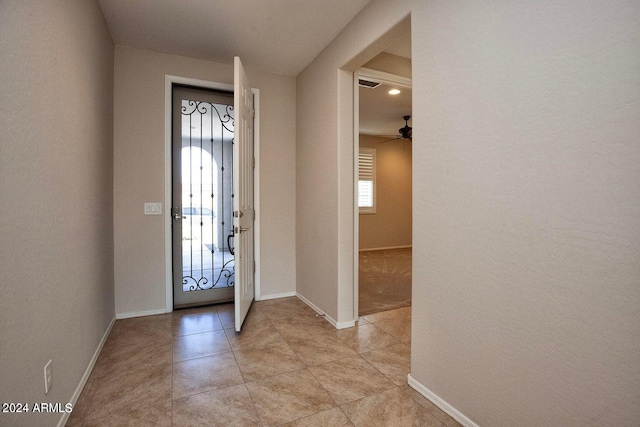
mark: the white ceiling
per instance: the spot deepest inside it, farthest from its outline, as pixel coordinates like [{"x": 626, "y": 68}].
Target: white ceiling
[
  {"x": 380, "y": 113},
  {"x": 277, "y": 36}
]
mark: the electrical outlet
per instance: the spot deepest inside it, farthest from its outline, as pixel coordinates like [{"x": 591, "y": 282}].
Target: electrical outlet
[{"x": 47, "y": 377}]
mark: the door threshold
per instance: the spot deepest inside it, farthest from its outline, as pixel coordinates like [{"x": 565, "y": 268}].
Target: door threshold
[{"x": 202, "y": 304}]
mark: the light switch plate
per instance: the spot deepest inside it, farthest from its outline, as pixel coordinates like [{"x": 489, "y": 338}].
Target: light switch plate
[{"x": 153, "y": 208}]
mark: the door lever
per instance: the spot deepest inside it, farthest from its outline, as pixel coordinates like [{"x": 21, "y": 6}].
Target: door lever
[
  {"x": 176, "y": 214},
  {"x": 231, "y": 249}
]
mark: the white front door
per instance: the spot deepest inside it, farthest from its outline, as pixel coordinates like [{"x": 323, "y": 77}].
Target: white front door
[{"x": 244, "y": 213}]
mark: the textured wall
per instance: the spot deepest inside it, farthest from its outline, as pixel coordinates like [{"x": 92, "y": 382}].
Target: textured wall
[
  {"x": 324, "y": 158},
  {"x": 56, "y": 245},
  {"x": 527, "y": 158},
  {"x": 139, "y": 152}
]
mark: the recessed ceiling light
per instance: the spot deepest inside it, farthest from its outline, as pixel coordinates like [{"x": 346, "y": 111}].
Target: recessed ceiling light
[{"x": 394, "y": 92}]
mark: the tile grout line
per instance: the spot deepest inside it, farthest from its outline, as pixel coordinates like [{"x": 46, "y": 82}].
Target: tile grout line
[
  {"x": 276, "y": 314},
  {"x": 244, "y": 382}
]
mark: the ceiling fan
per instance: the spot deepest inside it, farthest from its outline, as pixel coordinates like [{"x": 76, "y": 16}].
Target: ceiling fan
[{"x": 404, "y": 132}]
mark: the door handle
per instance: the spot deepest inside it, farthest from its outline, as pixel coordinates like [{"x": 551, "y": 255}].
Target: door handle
[
  {"x": 231, "y": 249},
  {"x": 239, "y": 230},
  {"x": 176, "y": 214}
]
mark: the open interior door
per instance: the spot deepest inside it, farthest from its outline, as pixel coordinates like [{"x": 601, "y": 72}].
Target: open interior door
[{"x": 244, "y": 213}]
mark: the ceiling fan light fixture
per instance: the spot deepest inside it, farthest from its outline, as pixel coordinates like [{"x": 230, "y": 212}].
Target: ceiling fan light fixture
[
  {"x": 394, "y": 91},
  {"x": 406, "y": 131}
]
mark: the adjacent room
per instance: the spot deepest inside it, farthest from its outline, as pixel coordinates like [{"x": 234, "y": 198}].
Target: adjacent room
[{"x": 384, "y": 180}]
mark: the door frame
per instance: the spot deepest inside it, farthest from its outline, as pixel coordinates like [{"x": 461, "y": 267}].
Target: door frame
[{"x": 169, "y": 81}]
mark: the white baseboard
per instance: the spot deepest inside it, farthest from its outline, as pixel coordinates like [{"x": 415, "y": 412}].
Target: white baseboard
[
  {"x": 141, "y": 313},
  {"x": 388, "y": 248},
  {"x": 87, "y": 373},
  {"x": 312, "y": 305},
  {"x": 345, "y": 325},
  {"x": 440, "y": 403},
  {"x": 276, "y": 296},
  {"x": 337, "y": 325}
]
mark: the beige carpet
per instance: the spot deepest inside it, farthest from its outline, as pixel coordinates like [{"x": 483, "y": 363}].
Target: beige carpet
[{"x": 384, "y": 280}]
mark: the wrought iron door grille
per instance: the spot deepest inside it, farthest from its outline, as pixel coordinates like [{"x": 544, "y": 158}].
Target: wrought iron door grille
[{"x": 207, "y": 195}]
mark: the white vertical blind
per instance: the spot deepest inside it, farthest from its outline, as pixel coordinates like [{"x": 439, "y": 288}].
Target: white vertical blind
[{"x": 366, "y": 180}]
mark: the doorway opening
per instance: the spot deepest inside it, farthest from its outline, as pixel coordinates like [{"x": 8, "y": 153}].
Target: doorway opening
[
  {"x": 202, "y": 196},
  {"x": 384, "y": 183},
  {"x": 245, "y": 240}
]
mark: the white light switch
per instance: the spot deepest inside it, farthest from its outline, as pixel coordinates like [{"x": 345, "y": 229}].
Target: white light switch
[{"x": 153, "y": 208}]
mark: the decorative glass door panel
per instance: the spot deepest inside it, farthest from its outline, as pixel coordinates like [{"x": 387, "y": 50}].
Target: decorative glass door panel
[{"x": 202, "y": 209}]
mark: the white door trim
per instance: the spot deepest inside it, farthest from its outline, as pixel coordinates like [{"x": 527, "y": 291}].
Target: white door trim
[
  {"x": 169, "y": 81},
  {"x": 383, "y": 77},
  {"x": 356, "y": 208}
]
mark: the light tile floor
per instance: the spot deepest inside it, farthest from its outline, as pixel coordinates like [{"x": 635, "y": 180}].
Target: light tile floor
[{"x": 288, "y": 367}]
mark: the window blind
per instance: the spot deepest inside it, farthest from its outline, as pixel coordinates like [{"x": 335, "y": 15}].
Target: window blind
[{"x": 366, "y": 179}]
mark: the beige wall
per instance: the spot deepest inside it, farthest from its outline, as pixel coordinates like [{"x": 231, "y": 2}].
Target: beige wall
[
  {"x": 529, "y": 169},
  {"x": 139, "y": 153},
  {"x": 526, "y": 154},
  {"x": 56, "y": 244},
  {"x": 325, "y": 158},
  {"x": 390, "y": 226}
]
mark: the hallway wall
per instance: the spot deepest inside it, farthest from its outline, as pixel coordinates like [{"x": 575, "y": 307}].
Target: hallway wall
[
  {"x": 56, "y": 192},
  {"x": 527, "y": 159},
  {"x": 325, "y": 159}
]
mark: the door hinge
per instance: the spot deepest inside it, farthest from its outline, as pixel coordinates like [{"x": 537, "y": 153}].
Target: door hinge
[
  {"x": 253, "y": 163},
  {"x": 254, "y": 267},
  {"x": 253, "y": 113}
]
